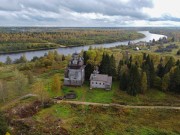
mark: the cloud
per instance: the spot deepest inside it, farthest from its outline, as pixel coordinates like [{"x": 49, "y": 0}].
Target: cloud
[
  {"x": 79, "y": 13},
  {"x": 166, "y": 18}
]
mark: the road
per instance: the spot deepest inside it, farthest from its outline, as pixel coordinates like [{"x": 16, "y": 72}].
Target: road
[{"x": 118, "y": 105}]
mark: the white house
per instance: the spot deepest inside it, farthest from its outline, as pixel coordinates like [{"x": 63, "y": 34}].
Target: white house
[{"x": 100, "y": 81}]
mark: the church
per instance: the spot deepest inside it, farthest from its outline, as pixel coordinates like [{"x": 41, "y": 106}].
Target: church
[{"x": 75, "y": 72}]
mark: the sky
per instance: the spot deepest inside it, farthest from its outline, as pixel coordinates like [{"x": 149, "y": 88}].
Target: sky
[{"x": 90, "y": 13}]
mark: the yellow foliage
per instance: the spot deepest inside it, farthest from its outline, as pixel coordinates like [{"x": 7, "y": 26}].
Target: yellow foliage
[
  {"x": 7, "y": 133},
  {"x": 56, "y": 84}
]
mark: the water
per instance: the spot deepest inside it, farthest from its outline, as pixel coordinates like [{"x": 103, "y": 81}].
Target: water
[{"x": 70, "y": 50}]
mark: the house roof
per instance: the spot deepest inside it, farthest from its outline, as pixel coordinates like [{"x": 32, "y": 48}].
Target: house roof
[{"x": 101, "y": 77}]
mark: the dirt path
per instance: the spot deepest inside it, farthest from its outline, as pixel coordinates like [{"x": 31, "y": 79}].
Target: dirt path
[{"x": 118, "y": 105}]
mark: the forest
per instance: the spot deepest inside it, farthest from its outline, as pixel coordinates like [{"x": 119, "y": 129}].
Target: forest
[{"x": 22, "y": 41}]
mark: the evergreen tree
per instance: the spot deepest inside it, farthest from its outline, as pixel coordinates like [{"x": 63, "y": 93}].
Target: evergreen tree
[
  {"x": 148, "y": 67},
  {"x": 129, "y": 62},
  {"x": 8, "y": 60},
  {"x": 165, "y": 82},
  {"x": 145, "y": 68},
  {"x": 112, "y": 67},
  {"x": 105, "y": 64},
  {"x": 160, "y": 69},
  {"x": 88, "y": 70},
  {"x": 168, "y": 65},
  {"x": 63, "y": 58},
  {"x": 124, "y": 81},
  {"x": 152, "y": 74},
  {"x": 119, "y": 68},
  {"x": 175, "y": 80},
  {"x": 144, "y": 83},
  {"x": 178, "y": 63},
  {"x": 144, "y": 56},
  {"x": 85, "y": 56},
  {"x": 134, "y": 81}
]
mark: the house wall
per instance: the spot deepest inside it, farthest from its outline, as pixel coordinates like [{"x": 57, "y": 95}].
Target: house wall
[{"x": 97, "y": 84}]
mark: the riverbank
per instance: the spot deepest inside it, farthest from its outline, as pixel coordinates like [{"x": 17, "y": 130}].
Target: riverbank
[
  {"x": 72, "y": 49},
  {"x": 33, "y": 41}
]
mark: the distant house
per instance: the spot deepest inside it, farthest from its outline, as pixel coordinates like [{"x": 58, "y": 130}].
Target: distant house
[
  {"x": 100, "y": 81},
  {"x": 75, "y": 74},
  {"x": 137, "y": 49}
]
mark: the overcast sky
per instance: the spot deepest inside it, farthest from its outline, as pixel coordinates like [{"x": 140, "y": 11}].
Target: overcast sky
[{"x": 89, "y": 13}]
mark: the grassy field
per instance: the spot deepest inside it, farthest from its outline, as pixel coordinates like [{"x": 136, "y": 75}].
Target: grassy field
[
  {"x": 111, "y": 121},
  {"x": 152, "y": 97}
]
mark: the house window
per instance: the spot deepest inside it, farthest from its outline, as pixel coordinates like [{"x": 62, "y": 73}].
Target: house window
[
  {"x": 96, "y": 82},
  {"x": 103, "y": 83},
  {"x": 99, "y": 83},
  {"x": 92, "y": 82}
]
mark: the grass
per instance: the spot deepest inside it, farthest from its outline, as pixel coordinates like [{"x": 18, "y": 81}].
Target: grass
[
  {"x": 80, "y": 119},
  {"x": 87, "y": 95},
  {"x": 152, "y": 96}
]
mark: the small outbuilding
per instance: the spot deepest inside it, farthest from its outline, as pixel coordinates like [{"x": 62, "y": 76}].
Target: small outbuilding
[{"x": 100, "y": 81}]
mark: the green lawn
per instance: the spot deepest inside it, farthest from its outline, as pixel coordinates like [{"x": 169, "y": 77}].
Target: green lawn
[
  {"x": 94, "y": 95},
  {"x": 79, "y": 119},
  {"x": 152, "y": 97}
]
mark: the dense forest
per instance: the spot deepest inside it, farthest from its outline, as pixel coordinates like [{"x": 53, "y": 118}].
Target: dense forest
[
  {"x": 137, "y": 73},
  {"x": 21, "y": 41}
]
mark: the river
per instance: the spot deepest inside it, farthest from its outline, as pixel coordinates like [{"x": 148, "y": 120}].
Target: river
[{"x": 29, "y": 55}]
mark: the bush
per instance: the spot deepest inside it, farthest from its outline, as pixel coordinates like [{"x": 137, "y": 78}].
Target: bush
[
  {"x": 178, "y": 52},
  {"x": 3, "y": 124}
]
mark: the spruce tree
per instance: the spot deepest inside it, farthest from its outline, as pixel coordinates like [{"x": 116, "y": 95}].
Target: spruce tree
[
  {"x": 168, "y": 65},
  {"x": 144, "y": 83},
  {"x": 148, "y": 67},
  {"x": 175, "y": 80},
  {"x": 119, "y": 68},
  {"x": 8, "y": 60},
  {"x": 102, "y": 64},
  {"x": 178, "y": 63},
  {"x": 124, "y": 81},
  {"x": 144, "y": 56},
  {"x": 112, "y": 67},
  {"x": 165, "y": 82},
  {"x": 88, "y": 70},
  {"x": 160, "y": 69},
  {"x": 85, "y": 56},
  {"x": 105, "y": 64},
  {"x": 129, "y": 62},
  {"x": 152, "y": 73},
  {"x": 134, "y": 81}
]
